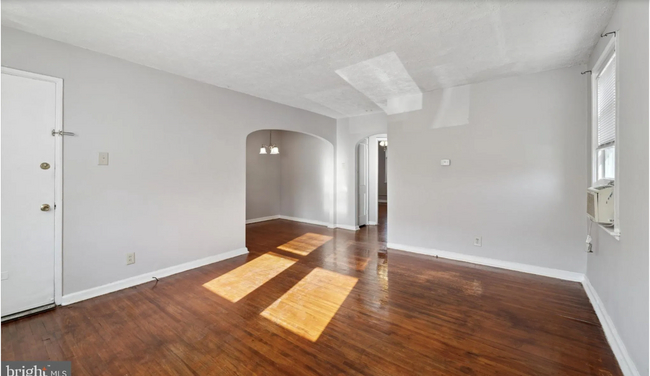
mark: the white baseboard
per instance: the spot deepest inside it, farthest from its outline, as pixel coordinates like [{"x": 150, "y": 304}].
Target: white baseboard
[
  {"x": 615, "y": 342},
  {"x": 532, "y": 269},
  {"x": 262, "y": 219},
  {"x": 302, "y": 220},
  {"x": 319, "y": 223},
  {"x": 348, "y": 227},
  {"x": 310, "y": 221},
  {"x": 148, "y": 277},
  {"x": 371, "y": 223}
]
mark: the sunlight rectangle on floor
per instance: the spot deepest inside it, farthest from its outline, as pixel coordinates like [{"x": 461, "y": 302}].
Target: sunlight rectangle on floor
[
  {"x": 307, "y": 308},
  {"x": 243, "y": 280},
  {"x": 305, "y": 244}
]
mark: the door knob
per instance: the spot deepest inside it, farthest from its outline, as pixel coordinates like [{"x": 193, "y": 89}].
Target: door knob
[{"x": 45, "y": 207}]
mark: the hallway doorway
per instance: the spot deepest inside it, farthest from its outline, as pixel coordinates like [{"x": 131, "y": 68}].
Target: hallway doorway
[{"x": 372, "y": 183}]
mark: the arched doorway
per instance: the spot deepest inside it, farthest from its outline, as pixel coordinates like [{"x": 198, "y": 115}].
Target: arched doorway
[{"x": 289, "y": 175}]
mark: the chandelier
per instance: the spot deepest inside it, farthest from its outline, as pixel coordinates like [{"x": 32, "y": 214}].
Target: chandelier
[{"x": 270, "y": 148}]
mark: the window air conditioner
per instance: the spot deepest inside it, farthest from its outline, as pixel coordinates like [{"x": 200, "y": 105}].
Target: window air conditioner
[{"x": 600, "y": 202}]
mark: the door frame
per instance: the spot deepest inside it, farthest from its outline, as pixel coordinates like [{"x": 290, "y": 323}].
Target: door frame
[
  {"x": 378, "y": 136},
  {"x": 381, "y": 138},
  {"x": 357, "y": 182},
  {"x": 58, "y": 176}
]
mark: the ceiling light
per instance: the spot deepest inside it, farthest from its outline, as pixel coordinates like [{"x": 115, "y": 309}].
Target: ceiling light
[{"x": 265, "y": 148}]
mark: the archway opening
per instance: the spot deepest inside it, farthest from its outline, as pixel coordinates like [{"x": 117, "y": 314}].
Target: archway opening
[{"x": 290, "y": 176}]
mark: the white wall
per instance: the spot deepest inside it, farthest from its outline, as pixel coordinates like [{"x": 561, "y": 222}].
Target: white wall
[
  {"x": 517, "y": 175},
  {"x": 174, "y": 191},
  {"x": 618, "y": 269},
  {"x": 349, "y": 132},
  {"x": 263, "y": 191},
  {"x": 307, "y": 177}
]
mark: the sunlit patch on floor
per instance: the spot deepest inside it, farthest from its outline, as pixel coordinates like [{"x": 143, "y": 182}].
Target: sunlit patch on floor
[
  {"x": 308, "y": 307},
  {"x": 305, "y": 244},
  {"x": 240, "y": 282}
]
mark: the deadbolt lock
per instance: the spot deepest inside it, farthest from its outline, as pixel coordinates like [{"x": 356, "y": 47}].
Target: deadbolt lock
[
  {"x": 45, "y": 207},
  {"x": 45, "y": 166}
]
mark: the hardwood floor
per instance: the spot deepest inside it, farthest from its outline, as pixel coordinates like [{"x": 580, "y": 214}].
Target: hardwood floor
[{"x": 345, "y": 307}]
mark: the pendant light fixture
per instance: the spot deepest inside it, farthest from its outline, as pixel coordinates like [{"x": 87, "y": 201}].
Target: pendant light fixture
[
  {"x": 384, "y": 144},
  {"x": 265, "y": 149}
]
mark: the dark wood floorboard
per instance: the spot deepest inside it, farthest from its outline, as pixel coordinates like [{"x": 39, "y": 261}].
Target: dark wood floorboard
[{"x": 407, "y": 314}]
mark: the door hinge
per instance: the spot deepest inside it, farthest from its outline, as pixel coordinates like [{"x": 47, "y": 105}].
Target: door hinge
[{"x": 61, "y": 133}]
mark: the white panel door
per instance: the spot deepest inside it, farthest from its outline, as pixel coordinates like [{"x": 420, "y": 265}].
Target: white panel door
[
  {"x": 28, "y": 117},
  {"x": 362, "y": 178}
]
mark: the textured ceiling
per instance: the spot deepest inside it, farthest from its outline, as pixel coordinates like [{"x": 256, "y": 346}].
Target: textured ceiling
[{"x": 290, "y": 52}]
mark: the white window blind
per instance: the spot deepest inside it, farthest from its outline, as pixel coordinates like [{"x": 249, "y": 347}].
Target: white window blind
[{"x": 606, "y": 81}]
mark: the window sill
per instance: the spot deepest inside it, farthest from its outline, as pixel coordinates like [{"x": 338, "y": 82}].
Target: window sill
[{"x": 611, "y": 231}]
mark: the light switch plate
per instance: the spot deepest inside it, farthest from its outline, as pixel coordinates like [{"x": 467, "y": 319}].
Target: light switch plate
[
  {"x": 103, "y": 159},
  {"x": 445, "y": 162}
]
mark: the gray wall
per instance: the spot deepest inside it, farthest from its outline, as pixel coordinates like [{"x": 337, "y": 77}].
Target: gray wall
[
  {"x": 262, "y": 176},
  {"x": 517, "y": 175},
  {"x": 618, "y": 269},
  {"x": 175, "y": 190},
  {"x": 381, "y": 180},
  {"x": 307, "y": 175}
]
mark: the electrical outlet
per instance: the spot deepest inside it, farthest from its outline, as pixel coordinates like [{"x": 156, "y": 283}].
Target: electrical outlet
[
  {"x": 130, "y": 258},
  {"x": 478, "y": 241},
  {"x": 445, "y": 162}
]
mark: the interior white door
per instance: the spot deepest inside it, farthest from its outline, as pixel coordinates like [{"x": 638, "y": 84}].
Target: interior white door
[
  {"x": 28, "y": 118},
  {"x": 362, "y": 179}
]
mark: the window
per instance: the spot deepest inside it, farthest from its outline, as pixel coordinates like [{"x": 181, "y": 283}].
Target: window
[
  {"x": 605, "y": 123},
  {"x": 605, "y": 152}
]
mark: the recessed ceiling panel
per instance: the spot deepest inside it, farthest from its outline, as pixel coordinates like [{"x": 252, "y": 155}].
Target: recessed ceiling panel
[
  {"x": 381, "y": 79},
  {"x": 345, "y": 100}
]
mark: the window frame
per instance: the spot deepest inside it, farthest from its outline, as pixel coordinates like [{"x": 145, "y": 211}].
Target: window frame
[{"x": 612, "y": 47}]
